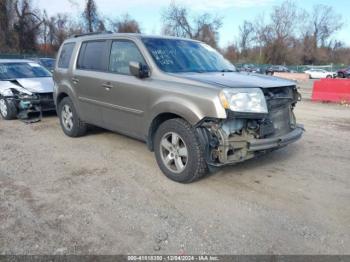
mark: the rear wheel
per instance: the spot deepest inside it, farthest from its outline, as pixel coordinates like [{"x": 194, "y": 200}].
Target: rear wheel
[
  {"x": 8, "y": 109},
  {"x": 178, "y": 152},
  {"x": 70, "y": 122},
  {"x": 341, "y": 75},
  {"x": 329, "y": 76}
]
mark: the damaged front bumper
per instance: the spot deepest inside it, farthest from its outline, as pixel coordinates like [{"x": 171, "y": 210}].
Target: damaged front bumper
[
  {"x": 242, "y": 137},
  {"x": 31, "y": 107},
  {"x": 226, "y": 149},
  {"x": 276, "y": 142}
]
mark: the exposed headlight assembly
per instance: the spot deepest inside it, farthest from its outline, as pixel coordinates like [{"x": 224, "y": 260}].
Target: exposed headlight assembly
[{"x": 244, "y": 100}]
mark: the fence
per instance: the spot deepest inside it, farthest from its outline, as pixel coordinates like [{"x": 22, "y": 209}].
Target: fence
[
  {"x": 23, "y": 56},
  {"x": 295, "y": 68}
]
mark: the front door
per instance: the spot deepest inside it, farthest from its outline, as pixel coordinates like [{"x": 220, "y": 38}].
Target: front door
[{"x": 126, "y": 96}]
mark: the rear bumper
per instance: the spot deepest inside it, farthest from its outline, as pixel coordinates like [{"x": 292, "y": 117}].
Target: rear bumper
[{"x": 276, "y": 142}]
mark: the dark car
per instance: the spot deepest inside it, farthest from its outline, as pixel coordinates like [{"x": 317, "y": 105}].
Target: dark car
[
  {"x": 279, "y": 69},
  {"x": 250, "y": 68},
  {"x": 344, "y": 73},
  {"x": 48, "y": 63}
]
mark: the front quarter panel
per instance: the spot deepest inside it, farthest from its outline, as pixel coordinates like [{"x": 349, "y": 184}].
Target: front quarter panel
[{"x": 192, "y": 103}]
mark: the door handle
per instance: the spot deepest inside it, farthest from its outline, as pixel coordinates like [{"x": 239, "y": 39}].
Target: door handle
[
  {"x": 75, "y": 80},
  {"x": 108, "y": 86}
]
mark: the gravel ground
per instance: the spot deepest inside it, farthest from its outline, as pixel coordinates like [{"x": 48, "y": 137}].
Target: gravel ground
[{"x": 104, "y": 194}]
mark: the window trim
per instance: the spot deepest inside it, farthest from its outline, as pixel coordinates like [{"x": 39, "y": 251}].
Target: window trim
[
  {"x": 70, "y": 59},
  {"x": 110, "y": 53},
  {"x": 82, "y": 50}
]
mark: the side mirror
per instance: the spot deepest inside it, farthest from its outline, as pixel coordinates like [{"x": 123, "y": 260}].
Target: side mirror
[{"x": 139, "y": 70}]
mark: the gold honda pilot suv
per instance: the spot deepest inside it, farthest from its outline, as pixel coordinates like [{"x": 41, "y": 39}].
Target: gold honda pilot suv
[{"x": 180, "y": 96}]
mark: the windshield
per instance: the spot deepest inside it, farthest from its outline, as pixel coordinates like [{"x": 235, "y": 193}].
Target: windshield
[
  {"x": 10, "y": 71},
  {"x": 48, "y": 62},
  {"x": 180, "y": 56}
]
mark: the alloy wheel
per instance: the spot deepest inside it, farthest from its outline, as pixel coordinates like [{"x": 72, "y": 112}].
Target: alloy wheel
[
  {"x": 3, "y": 107},
  {"x": 67, "y": 117},
  {"x": 174, "y": 152}
]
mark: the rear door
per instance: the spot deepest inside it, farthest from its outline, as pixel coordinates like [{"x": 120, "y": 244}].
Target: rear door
[
  {"x": 88, "y": 78},
  {"x": 126, "y": 96}
]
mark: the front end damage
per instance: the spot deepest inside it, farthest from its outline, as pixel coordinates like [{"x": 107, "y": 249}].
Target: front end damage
[
  {"x": 29, "y": 106},
  {"x": 240, "y": 137}
]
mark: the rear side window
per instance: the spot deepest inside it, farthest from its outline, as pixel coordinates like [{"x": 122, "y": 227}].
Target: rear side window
[
  {"x": 66, "y": 55},
  {"x": 92, "y": 56},
  {"x": 122, "y": 53}
]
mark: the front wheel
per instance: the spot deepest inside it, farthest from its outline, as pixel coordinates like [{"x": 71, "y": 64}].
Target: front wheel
[
  {"x": 70, "y": 122},
  {"x": 178, "y": 152},
  {"x": 8, "y": 109}
]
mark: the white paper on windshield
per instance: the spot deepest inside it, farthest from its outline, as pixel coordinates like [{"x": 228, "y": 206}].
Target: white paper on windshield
[{"x": 34, "y": 65}]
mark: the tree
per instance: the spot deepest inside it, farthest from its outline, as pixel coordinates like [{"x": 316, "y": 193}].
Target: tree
[
  {"x": 231, "y": 53},
  {"x": 176, "y": 21},
  {"x": 284, "y": 19},
  {"x": 126, "y": 24},
  {"x": 27, "y": 25},
  {"x": 7, "y": 37},
  {"x": 90, "y": 16},
  {"x": 324, "y": 22},
  {"x": 246, "y": 36},
  {"x": 204, "y": 27},
  {"x": 207, "y": 29}
]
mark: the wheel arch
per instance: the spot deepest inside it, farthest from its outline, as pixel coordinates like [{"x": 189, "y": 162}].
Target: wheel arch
[
  {"x": 63, "y": 91},
  {"x": 156, "y": 122},
  {"x": 60, "y": 97}
]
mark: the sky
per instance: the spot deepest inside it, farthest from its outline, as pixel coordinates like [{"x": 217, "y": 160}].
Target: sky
[{"x": 233, "y": 12}]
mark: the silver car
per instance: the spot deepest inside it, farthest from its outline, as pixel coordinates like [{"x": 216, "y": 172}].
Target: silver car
[
  {"x": 26, "y": 90},
  {"x": 180, "y": 96}
]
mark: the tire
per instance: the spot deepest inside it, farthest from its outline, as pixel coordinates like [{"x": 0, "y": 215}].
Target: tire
[
  {"x": 8, "y": 109},
  {"x": 341, "y": 75},
  {"x": 329, "y": 76},
  {"x": 194, "y": 164},
  {"x": 71, "y": 125}
]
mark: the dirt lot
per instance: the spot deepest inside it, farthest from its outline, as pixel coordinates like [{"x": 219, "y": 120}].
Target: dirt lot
[{"x": 104, "y": 194}]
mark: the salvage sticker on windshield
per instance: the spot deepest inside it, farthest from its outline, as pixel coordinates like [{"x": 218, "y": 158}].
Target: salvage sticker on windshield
[{"x": 34, "y": 65}]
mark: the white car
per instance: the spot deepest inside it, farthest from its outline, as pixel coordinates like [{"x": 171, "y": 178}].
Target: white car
[
  {"x": 320, "y": 73},
  {"x": 26, "y": 89}
]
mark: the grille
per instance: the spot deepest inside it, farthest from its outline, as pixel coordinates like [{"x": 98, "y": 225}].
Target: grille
[
  {"x": 279, "y": 101},
  {"x": 279, "y": 97},
  {"x": 46, "y": 101},
  {"x": 45, "y": 96},
  {"x": 281, "y": 119}
]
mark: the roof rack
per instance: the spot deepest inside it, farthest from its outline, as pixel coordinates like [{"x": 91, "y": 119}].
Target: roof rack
[{"x": 93, "y": 33}]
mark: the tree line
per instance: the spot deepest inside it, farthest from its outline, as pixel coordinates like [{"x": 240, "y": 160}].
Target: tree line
[{"x": 288, "y": 35}]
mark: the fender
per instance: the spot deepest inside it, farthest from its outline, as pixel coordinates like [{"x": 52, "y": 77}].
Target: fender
[
  {"x": 6, "y": 89},
  {"x": 175, "y": 105},
  {"x": 65, "y": 87}
]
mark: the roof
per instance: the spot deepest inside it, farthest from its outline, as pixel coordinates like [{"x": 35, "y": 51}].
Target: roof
[{"x": 128, "y": 35}]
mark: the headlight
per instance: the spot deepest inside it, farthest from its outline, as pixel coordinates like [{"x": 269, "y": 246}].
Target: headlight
[{"x": 244, "y": 100}]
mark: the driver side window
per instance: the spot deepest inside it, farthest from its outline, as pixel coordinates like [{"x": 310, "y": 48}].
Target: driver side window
[{"x": 122, "y": 53}]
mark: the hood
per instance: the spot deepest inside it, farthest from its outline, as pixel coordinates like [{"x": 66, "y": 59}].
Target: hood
[
  {"x": 344, "y": 70},
  {"x": 37, "y": 85},
  {"x": 237, "y": 80}
]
